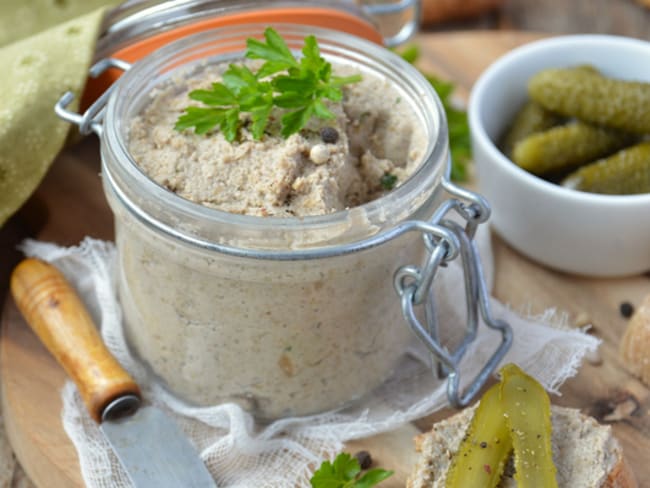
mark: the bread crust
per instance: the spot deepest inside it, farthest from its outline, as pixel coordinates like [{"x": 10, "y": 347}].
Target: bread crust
[
  {"x": 636, "y": 342},
  {"x": 423, "y": 475},
  {"x": 621, "y": 476}
]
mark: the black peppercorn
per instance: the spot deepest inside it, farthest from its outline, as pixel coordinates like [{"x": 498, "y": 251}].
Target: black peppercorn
[
  {"x": 329, "y": 135},
  {"x": 365, "y": 461},
  {"x": 626, "y": 309}
]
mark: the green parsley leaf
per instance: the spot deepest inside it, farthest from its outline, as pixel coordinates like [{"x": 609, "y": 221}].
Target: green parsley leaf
[
  {"x": 291, "y": 100},
  {"x": 410, "y": 53},
  {"x": 293, "y": 121},
  {"x": 237, "y": 78},
  {"x": 297, "y": 88},
  {"x": 321, "y": 110},
  {"x": 230, "y": 124},
  {"x": 388, "y": 181},
  {"x": 344, "y": 80},
  {"x": 444, "y": 89},
  {"x": 346, "y": 465},
  {"x": 275, "y": 50},
  {"x": 260, "y": 118},
  {"x": 334, "y": 93},
  {"x": 219, "y": 95},
  {"x": 372, "y": 477},
  {"x": 459, "y": 142},
  {"x": 311, "y": 61},
  {"x": 202, "y": 119},
  {"x": 345, "y": 472}
]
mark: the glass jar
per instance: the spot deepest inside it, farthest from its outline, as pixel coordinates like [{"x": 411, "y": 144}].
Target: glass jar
[{"x": 285, "y": 316}]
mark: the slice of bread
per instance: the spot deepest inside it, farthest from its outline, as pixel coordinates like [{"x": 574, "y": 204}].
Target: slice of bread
[
  {"x": 585, "y": 453},
  {"x": 636, "y": 341}
]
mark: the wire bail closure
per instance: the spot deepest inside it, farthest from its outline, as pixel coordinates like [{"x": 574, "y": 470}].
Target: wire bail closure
[
  {"x": 413, "y": 285},
  {"x": 92, "y": 118}
]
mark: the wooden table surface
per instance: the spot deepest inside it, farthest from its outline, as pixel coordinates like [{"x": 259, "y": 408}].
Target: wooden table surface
[
  {"x": 57, "y": 213},
  {"x": 619, "y": 17}
]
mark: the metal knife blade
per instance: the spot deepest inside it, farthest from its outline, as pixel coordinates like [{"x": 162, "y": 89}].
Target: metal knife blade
[
  {"x": 154, "y": 452},
  {"x": 150, "y": 446}
]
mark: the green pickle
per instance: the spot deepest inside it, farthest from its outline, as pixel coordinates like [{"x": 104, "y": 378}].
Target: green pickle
[
  {"x": 531, "y": 118},
  {"x": 483, "y": 453},
  {"x": 626, "y": 172},
  {"x": 514, "y": 416},
  {"x": 593, "y": 98},
  {"x": 566, "y": 147},
  {"x": 587, "y": 68},
  {"x": 528, "y": 414}
]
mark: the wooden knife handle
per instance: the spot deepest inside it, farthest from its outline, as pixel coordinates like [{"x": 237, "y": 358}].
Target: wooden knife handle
[{"x": 57, "y": 315}]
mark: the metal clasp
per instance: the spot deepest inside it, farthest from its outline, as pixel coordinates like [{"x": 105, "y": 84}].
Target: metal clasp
[
  {"x": 404, "y": 13},
  {"x": 413, "y": 284},
  {"x": 91, "y": 120}
]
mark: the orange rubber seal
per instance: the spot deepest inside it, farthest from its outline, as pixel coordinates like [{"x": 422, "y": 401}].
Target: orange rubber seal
[{"x": 319, "y": 17}]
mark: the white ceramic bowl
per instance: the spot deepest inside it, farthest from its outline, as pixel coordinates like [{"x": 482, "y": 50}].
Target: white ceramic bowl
[{"x": 572, "y": 231}]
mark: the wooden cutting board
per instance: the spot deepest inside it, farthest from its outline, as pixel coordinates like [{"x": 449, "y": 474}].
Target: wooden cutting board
[{"x": 70, "y": 205}]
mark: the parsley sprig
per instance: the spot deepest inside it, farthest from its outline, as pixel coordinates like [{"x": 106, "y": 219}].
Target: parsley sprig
[
  {"x": 297, "y": 87},
  {"x": 345, "y": 472},
  {"x": 459, "y": 141}
]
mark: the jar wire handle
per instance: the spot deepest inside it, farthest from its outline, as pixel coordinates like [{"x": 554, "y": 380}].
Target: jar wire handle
[
  {"x": 92, "y": 118},
  {"x": 414, "y": 285}
]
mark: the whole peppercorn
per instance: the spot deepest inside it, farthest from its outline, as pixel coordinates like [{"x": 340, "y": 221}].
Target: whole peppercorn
[
  {"x": 626, "y": 309},
  {"x": 365, "y": 461},
  {"x": 329, "y": 135}
]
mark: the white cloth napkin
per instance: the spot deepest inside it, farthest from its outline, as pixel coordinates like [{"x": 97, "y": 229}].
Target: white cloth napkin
[{"x": 240, "y": 453}]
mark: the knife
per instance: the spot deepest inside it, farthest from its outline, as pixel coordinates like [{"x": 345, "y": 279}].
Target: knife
[{"x": 152, "y": 449}]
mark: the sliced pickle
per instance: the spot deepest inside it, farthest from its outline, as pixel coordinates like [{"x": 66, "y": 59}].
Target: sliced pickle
[
  {"x": 485, "y": 448},
  {"x": 624, "y": 173},
  {"x": 528, "y": 415},
  {"x": 566, "y": 147},
  {"x": 593, "y": 98}
]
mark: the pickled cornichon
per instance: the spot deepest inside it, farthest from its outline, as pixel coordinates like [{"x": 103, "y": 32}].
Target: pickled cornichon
[
  {"x": 530, "y": 119},
  {"x": 528, "y": 415},
  {"x": 514, "y": 416},
  {"x": 594, "y": 98},
  {"x": 566, "y": 147},
  {"x": 486, "y": 447},
  {"x": 626, "y": 172}
]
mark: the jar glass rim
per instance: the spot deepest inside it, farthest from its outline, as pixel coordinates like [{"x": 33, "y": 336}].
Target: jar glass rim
[
  {"x": 426, "y": 174},
  {"x": 132, "y": 21}
]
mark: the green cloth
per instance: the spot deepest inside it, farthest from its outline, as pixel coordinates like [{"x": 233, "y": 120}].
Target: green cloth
[
  {"x": 37, "y": 70},
  {"x": 22, "y": 18}
]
